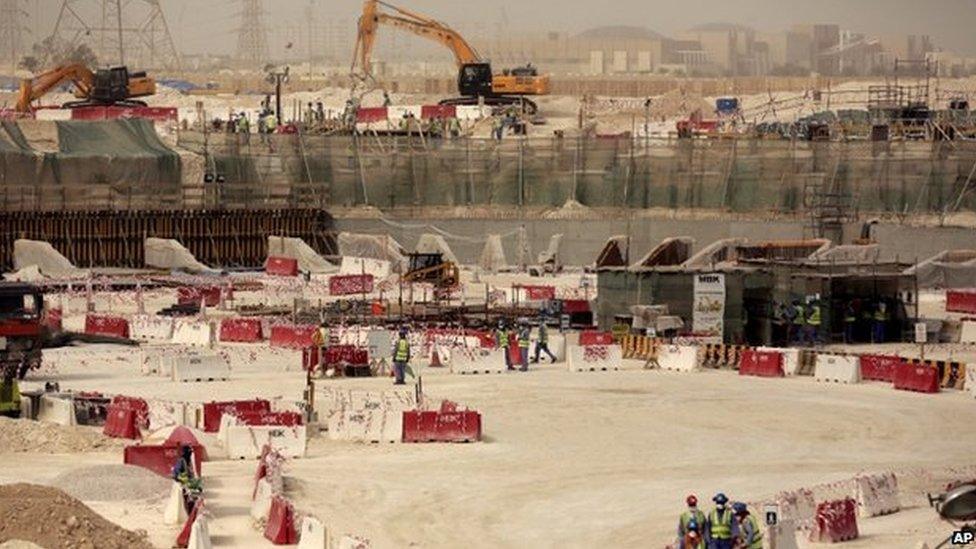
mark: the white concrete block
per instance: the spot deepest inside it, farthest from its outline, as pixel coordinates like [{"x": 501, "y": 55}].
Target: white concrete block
[
  {"x": 175, "y": 512},
  {"x": 784, "y": 534},
  {"x": 261, "y": 504},
  {"x": 151, "y": 328},
  {"x": 594, "y": 357},
  {"x": 366, "y": 425},
  {"x": 165, "y": 413},
  {"x": 312, "y": 534},
  {"x": 680, "y": 358},
  {"x": 57, "y": 410},
  {"x": 968, "y": 332},
  {"x": 199, "y": 534},
  {"x": 199, "y": 367},
  {"x": 876, "y": 494},
  {"x": 194, "y": 333},
  {"x": 246, "y": 441},
  {"x": 838, "y": 368},
  {"x": 478, "y": 361}
]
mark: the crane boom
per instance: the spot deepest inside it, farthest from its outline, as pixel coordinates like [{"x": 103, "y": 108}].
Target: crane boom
[{"x": 32, "y": 89}]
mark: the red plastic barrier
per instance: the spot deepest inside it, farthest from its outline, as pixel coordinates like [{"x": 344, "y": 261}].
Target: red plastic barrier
[
  {"x": 293, "y": 337},
  {"x": 346, "y": 354},
  {"x": 52, "y": 319},
  {"x": 183, "y": 539},
  {"x": 242, "y": 330},
  {"x": 916, "y": 377},
  {"x": 281, "y": 266},
  {"x": 365, "y": 115},
  {"x": 209, "y": 295},
  {"x": 428, "y": 112},
  {"x": 350, "y": 284},
  {"x": 593, "y": 337},
  {"x": 879, "y": 367},
  {"x": 120, "y": 422},
  {"x": 761, "y": 363},
  {"x": 462, "y": 426},
  {"x": 961, "y": 301},
  {"x": 286, "y": 419},
  {"x": 280, "y": 529},
  {"x": 540, "y": 292},
  {"x": 183, "y": 436},
  {"x": 835, "y": 521},
  {"x": 212, "y": 411},
  {"x": 137, "y": 405},
  {"x": 114, "y": 326},
  {"x": 160, "y": 459},
  {"x": 575, "y": 306},
  {"x": 419, "y": 426}
]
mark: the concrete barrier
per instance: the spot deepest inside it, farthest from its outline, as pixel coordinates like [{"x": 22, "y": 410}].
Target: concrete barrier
[
  {"x": 151, "y": 328},
  {"x": 193, "y": 333},
  {"x": 591, "y": 358},
  {"x": 366, "y": 425},
  {"x": 175, "y": 511},
  {"x": 200, "y": 534},
  {"x": 246, "y": 441},
  {"x": 312, "y": 534},
  {"x": 876, "y": 495},
  {"x": 838, "y": 368},
  {"x": 791, "y": 358},
  {"x": 477, "y": 361},
  {"x": 836, "y": 521},
  {"x": 195, "y": 366},
  {"x": 679, "y": 358},
  {"x": 56, "y": 410},
  {"x": 782, "y": 535},
  {"x": 165, "y": 413},
  {"x": 968, "y": 332},
  {"x": 261, "y": 503}
]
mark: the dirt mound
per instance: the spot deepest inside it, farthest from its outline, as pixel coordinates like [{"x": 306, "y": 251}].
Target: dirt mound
[
  {"x": 24, "y": 435},
  {"x": 112, "y": 483},
  {"x": 51, "y": 518}
]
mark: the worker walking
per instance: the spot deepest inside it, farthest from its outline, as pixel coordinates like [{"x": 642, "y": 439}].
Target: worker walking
[
  {"x": 401, "y": 356},
  {"x": 691, "y": 515},
  {"x": 718, "y": 528},
  {"x": 501, "y": 339},
  {"x": 850, "y": 320},
  {"x": 813, "y": 322},
  {"x": 523, "y": 344},
  {"x": 749, "y": 534},
  {"x": 543, "y": 343},
  {"x": 878, "y": 324}
]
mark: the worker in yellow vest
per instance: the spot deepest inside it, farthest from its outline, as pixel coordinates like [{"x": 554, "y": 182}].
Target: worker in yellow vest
[
  {"x": 501, "y": 339},
  {"x": 879, "y": 321},
  {"x": 749, "y": 534},
  {"x": 401, "y": 356},
  {"x": 523, "y": 344},
  {"x": 718, "y": 528},
  {"x": 798, "y": 317},
  {"x": 814, "y": 320},
  {"x": 691, "y": 515}
]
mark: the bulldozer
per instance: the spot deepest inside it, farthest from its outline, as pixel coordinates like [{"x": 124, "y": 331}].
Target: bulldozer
[
  {"x": 433, "y": 269},
  {"x": 114, "y": 86}
]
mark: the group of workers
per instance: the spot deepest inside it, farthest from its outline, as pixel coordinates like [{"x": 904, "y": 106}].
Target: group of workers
[
  {"x": 506, "y": 336},
  {"x": 803, "y": 320},
  {"x": 724, "y": 527}
]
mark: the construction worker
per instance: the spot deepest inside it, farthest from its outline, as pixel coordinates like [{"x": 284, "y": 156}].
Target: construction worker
[
  {"x": 799, "y": 316},
  {"x": 850, "y": 320},
  {"x": 813, "y": 322},
  {"x": 497, "y": 127},
  {"x": 523, "y": 343},
  {"x": 718, "y": 528},
  {"x": 543, "y": 343},
  {"x": 691, "y": 515},
  {"x": 693, "y": 538},
  {"x": 9, "y": 397},
  {"x": 386, "y": 99},
  {"x": 184, "y": 473},
  {"x": 880, "y": 318},
  {"x": 501, "y": 338},
  {"x": 271, "y": 122},
  {"x": 750, "y": 534},
  {"x": 401, "y": 356}
]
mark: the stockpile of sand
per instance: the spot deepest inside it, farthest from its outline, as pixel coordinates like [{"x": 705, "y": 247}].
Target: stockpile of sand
[
  {"x": 112, "y": 483},
  {"x": 51, "y": 518},
  {"x": 24, "y": 435}
]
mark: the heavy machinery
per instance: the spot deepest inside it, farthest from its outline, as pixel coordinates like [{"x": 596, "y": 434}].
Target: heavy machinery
[
  {"x": 103, "y": 87},
  {"x": 432, "y": 268},
  {"x": 476, "y": 81}
]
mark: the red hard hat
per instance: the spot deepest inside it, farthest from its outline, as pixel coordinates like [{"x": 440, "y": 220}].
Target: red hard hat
[{"x": 691, "y": 500}]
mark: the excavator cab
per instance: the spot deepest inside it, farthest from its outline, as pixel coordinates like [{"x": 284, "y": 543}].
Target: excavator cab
[
  {"x": 475, "y": 80},
  {"x": 110, "y": 85}
]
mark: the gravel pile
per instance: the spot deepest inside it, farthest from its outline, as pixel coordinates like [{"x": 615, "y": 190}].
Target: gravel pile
[
  {"x": 24, "y": 435},
  {"x": 112, "y": 483},
  {"x": 50, "y": 518}
]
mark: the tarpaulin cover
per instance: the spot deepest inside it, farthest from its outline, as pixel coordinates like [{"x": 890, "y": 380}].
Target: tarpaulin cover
[{"x": 114, "y": 151}]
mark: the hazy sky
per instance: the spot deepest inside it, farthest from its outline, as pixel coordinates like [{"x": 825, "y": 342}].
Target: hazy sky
[{"x": 210, "y": 25}]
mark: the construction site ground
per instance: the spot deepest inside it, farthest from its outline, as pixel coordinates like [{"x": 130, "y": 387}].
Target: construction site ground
[{"x": 568, "y": 459}]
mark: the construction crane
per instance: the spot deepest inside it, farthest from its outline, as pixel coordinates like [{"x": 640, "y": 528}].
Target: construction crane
[
  {"x": 476, "y": 81},
  {"x": 114, "y": 86}
]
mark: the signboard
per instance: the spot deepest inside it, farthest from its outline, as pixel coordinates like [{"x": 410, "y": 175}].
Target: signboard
[
  {"x": 771, "y": 511},
  {"x": 708, "y": 308},
  {"x": 921, "y": 335}
]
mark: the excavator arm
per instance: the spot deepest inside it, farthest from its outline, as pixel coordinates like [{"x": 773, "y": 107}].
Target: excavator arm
[
  {"x": 34, "y": 88},
  {"x": 409, "y": 21}
]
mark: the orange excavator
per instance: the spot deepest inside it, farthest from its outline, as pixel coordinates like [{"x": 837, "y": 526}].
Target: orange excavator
[
  {"x": 475, "y": 77},
  {"x": 114, "y": 86}
]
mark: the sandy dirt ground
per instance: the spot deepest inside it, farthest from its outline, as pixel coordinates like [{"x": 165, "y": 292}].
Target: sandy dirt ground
[{"x": 569, "y": 460}]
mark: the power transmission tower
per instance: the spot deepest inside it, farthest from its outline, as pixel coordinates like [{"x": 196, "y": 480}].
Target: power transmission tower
[
  {"x": 13, "y": 27},
  {"x": 133, "y": 32},
  {"x": 252, "y": 36}
]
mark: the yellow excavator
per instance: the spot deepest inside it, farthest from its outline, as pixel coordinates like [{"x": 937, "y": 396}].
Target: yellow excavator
[
  {"x": 475, "y": 78},
  {"x": 114, "y": 86}
]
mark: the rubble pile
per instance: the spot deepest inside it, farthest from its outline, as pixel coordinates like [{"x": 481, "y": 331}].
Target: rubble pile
[{"x": 19, "y": 436}]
